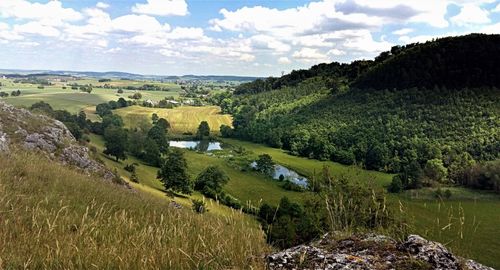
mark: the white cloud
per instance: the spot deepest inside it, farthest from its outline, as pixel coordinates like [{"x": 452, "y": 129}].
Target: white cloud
[
  {"x": 186, "y": 33},
  {"x": 114, "y": 50},
  {"x": 362, "y": 41},
  {"x": 138, "y": 23},
  {"x": 310, "y": 55},
  {"x": 268, "y": 42},
  {"x": 402, "y": 31},
  {"x": 491, "y": 29},
  {"x": 102, "y": 5},
  {"x": 162, "y": 8},
  {"x": 336, "y": 52},
  {"x": 247, "y": 57},
  {"x": 284, "y": 60},
  {"x": 51, "y": 13},
  {"x": 471, "y": 14},
  {"x": 496, "y": 9},
  {"x": 37, "y": 29}
]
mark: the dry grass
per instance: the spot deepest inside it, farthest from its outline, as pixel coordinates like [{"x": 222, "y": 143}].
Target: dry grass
[
  {"x": 182, "y": 119},
  {"x": 52, "y": 217}
]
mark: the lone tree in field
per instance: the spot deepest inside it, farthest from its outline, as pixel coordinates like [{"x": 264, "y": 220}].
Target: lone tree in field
[
  {"x": 203, "y": 130},
  {"x": 115, "y": 142},
  {"x": 173, "y": 173},
  {"x": 211, "y": 180},
  {"x": 265, "y": 164}
]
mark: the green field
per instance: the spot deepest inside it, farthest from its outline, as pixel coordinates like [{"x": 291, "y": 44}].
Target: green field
[
  {"x": 71, "y": 100},
  {"x": 182, "y": 119},
  {"x": 312, "y": 167},
  {"x": 248, "y": 187},
  {"x": 470, "y": 228}
]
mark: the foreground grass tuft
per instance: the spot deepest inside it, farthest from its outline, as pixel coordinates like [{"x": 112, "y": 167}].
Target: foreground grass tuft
[{"x": 52, "y": 217}]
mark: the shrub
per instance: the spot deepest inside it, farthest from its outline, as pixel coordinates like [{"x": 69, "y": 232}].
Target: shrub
[
  {"x": 396, "y": 185},
  {"x": 199, "y": 206}
]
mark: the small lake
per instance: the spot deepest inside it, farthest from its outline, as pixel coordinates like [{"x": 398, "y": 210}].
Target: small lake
[
  {"x": 202, "y": 146},
  {"x": 289, "y": 175}
]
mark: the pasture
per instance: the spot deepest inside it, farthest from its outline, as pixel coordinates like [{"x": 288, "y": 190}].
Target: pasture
[{"x": 182, "y": 119}]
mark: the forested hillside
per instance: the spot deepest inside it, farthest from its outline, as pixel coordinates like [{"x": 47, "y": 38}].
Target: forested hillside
[
  {"x": 428, "y": 125},
  {"x": 452, "y": 62}
]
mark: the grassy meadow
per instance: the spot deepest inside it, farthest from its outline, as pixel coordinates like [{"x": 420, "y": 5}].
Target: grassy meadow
[
  {"x": 182, "y": 119},
  {"x": 53, "y": 217},
  {"x": 248, "y": 187}
]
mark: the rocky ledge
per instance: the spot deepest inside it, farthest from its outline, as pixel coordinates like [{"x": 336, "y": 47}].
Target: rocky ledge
[
  {"x": 370, "y": 251},
  {"x": 22, "y": 128}
]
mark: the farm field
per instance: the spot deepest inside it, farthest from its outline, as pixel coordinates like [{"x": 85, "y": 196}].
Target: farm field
[
  {"x": 182, "y": 119},
  {"x": 71, "y": 100}
]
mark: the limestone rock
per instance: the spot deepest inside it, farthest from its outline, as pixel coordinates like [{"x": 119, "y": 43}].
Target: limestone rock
[
  {"x": 368, "y": 252},
  {"x": 35, "y": 132}
]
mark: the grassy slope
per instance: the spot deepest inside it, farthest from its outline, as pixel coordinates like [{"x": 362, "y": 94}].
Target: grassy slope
[
  {"x": 246, "y": 186},
  {"x": 182, "y": 119},
  {"x": 53, "y": 217}
]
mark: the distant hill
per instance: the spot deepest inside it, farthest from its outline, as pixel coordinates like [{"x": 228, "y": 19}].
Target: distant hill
[{"x": 122, "y": 75}]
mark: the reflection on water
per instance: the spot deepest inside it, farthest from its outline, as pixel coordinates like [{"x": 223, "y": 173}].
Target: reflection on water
[
  {"x": 202, "y": 146},
  {"x": 289, "y": 175}
]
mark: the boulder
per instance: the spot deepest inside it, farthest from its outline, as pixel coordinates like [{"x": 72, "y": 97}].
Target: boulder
[{"x": 370, "y": 252}]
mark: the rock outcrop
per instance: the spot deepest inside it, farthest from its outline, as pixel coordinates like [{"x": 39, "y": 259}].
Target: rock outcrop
[
  {"x": 21, "y": 128},
  {"x": 370, "y": 252}
]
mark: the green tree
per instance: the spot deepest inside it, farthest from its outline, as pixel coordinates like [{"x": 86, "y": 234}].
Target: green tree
[
  {"x": 103, "y": 109},
  {"x": 435, "y": 170},
  {"x": 265, "y": 164},
  {"x": 159, "y": 135},
  {"x": 163, "y": 123},
  {"x": 203, "y": 130},
  {"x": 151, "y": 154},
  {"x": 211, "y": 179},
  {"x": 396, "y": 185},
  {"x": 226, "y": 131},
  {"x": 173, "y": 173},
  {"x": 115, "y": 142}
]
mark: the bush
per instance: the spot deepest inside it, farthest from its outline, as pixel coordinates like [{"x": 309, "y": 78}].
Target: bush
[
  {"x": 199, "y": 206},
  {"x": 288, "y": 185},
  {"x": 396, "y": 185}
]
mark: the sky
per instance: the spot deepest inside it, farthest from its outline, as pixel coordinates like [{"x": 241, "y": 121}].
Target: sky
[{"x": 223, "y": 37}]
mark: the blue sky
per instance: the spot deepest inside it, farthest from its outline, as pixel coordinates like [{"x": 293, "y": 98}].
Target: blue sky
[{"x": 233, "y": 37}]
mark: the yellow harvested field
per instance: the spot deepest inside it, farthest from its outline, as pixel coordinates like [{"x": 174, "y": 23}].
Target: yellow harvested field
[{"x": 182, "y": 119}]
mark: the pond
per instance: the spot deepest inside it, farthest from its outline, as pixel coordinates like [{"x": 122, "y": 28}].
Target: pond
[
  {"x": 289, "y": 175},
  {"x": 202, "y": 146}
]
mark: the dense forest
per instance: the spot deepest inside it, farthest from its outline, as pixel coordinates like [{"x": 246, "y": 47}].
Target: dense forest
[{"x": 429, "y": 126}]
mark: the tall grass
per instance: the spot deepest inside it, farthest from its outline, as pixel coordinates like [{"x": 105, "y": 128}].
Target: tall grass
[{"x": 52, "y": 217}]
